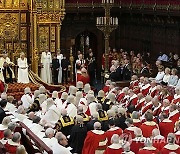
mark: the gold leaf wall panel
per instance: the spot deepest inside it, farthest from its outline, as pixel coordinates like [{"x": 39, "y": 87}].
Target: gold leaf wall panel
[
  {"x": 53, "y": 33},
  {"x": 8, "y": 3},
  {"x": 23, "y": 17},
  {"x": 43, "y": 38},
  {"x": 23, "y": 33},
  {"x": 1, "y": 3},
  {"x": 8, "y": 26},
  {"x": 15, "y": 4},
  {"x": 53, "y": 46},
  {"x": 24, "y": 47}
]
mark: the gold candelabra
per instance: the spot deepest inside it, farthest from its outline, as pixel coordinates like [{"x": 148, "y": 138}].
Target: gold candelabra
[{"x": 107, "y": 24}]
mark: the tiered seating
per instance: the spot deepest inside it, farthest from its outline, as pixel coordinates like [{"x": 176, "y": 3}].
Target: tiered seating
[{"x": 17, "y": 89}]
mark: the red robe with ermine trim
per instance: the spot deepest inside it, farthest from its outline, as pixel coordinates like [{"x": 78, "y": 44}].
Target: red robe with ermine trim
[
  {"x": 11, "y": 146},
  {"x": 166, "y": 126},
  {"x": 109, "y": 133},
  {"x": 114, "y": 149},
  {"x": 95, "y": 141},
  {"x": 174, "y": 116},
  {"x": 170, "y": 148},
  {"x": 147, "y": 128}
]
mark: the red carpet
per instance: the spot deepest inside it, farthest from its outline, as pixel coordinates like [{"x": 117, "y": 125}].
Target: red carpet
[{"x": 17, "y": 89}]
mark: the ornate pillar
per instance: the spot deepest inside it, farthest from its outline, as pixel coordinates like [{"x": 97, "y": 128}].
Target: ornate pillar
[
  {"x": 58, "y": 32},
  {"x": 35, "y": 48}
]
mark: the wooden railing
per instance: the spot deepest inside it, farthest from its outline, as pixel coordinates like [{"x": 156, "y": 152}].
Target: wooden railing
[{"x": 36, "y": 140}]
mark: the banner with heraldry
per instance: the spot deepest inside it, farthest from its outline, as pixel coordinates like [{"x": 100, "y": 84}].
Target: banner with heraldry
[{"x": 31, "y": 26}]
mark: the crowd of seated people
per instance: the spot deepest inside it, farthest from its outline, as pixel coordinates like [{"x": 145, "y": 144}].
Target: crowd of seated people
[
  {"x": 141, "y": 118},
  {"x": 123, "y": 65}
]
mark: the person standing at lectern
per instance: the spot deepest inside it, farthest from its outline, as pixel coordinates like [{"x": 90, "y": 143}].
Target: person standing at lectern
[{"x": 46, "y": 62}]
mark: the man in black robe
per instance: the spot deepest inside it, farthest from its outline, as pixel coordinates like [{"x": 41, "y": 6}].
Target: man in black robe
[
  {"x": 55, "y": 66},
  {"x": 126, "y": 70},
  {"x": 64, "y": 65},
  {"x": 78, "y": 135},
  {"x": 91, "y": 64}
]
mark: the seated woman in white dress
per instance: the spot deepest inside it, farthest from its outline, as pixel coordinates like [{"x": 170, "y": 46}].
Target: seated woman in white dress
[{"x": 22, "y": 69}]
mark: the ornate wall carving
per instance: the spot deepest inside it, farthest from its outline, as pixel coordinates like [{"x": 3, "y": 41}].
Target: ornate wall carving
[{"x": 8, "y": 26}]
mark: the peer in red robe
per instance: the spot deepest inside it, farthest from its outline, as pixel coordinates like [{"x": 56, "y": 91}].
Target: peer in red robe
[
  {"x": 176, "y": 99},
  {"x": 166, "y": 126},
  {"x": 145, "y": 89},
  {"x": 163, "y": 97},
  {"x": 114, "y": 130},
  {"x": 106, "y": 88},
  {"x": 140, "y": 104},
  {"x": 114, "y": 149},
  {"x": 120, "y": 96},
  {"x": 133, "y": 100},
  {"x": 146, "y": 107},
  {"x": 170, "y": 148},
  {"x": 148, "y": 126},
  {"x": 137, "y": 143},
  {"x": 137, "y": 123},
  {"x": 11, "y": 146},
  {"x": 95, "y": 141},
  {"x": 159, "y": 142},
  {"x": 130, "y": 131},
  {"x": 83, "y": 76},
  {"x": 134, "y": 82},
  {"x": 156, "y": 109},
  {"x": 153, "y": 91},
  {"x": 174, "y": 115},
  {"x": 165, "y": 110}
]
